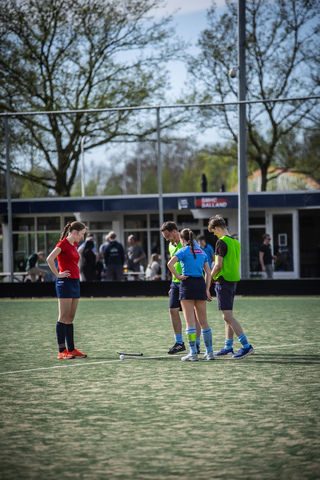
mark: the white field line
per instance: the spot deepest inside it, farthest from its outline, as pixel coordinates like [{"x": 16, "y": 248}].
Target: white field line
[{"x": 71, "y": 364}]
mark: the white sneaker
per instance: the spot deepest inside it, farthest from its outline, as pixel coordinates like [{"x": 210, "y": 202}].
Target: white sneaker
[
  {"x": 208, "y": 356},
  {"x": 190, "y": 358}
]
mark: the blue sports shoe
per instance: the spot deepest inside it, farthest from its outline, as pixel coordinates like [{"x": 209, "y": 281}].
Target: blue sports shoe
[
  {"x": 243, "y": 352},
  {"x": 224, "y": 353}
]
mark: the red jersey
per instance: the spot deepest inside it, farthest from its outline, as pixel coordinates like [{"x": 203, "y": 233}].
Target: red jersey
[{"x": 68, "y": 258}]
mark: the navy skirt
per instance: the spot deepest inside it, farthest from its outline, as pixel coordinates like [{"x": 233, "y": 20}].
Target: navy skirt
[
  {"x": 193, "y": 288},
  {"x": 68, "y": 287}
]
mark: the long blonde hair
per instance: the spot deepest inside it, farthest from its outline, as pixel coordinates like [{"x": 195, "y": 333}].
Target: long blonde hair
[{"x": 154, "y": 258}]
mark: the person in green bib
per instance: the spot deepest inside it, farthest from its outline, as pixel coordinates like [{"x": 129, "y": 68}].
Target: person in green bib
[
  {"x": 225, "y": 275},
  {"x": 171, "y": 234}
]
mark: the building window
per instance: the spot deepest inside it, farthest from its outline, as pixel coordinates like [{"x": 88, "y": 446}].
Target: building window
[{"x": 135, "y": 222}]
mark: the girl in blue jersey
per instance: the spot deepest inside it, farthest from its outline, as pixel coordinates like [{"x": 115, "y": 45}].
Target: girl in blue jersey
[{"x": 194, "y": 291}]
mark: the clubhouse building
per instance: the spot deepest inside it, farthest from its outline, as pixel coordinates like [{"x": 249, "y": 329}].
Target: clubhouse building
[{"x": 292, "y": 219}]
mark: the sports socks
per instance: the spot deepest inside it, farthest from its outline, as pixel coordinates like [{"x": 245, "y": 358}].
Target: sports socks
[
  {"x": 69, "y": 336},
  {"x": 198, "y": 341},
  {"x": 61, "y": 336},
  {"x": 244, "y": 341},
  {"x": 207, "y": 338},
  {"x": 178, "y": 338},
  {"x": 192, "y": 338},
  {"x": 229, "y": 343}
]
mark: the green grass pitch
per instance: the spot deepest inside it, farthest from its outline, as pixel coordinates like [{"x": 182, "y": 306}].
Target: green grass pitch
[{"x": 156, "y": 417}]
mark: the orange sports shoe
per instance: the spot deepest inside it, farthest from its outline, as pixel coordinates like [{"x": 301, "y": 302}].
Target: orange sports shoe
[
  {"x": 65, "y": 355},
  {"x": 77, "y": 354}
]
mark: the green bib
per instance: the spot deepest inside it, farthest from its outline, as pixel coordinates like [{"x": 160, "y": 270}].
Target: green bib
[
  {"x": 172, "y": 250},
  {"x": 231, "y": 262}
]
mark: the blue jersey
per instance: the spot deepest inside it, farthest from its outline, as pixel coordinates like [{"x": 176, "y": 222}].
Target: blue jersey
[
  {"x": 210, "y": 253},
  {"x": 191, "y": 266}
]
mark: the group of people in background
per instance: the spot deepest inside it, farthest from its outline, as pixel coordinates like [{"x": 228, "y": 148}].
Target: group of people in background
[{"x": 108, "y": 263}]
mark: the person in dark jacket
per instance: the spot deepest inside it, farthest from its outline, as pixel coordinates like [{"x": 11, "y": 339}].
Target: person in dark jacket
[
  {"x": 114, "y": 259},
  {"x": 88, "y": 267}
]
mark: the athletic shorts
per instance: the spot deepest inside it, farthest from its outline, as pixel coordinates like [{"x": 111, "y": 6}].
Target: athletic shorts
[
  {"x": 68, "y": 287},
  {"x": 225, "y": 293},
  {"x": 193, "y": 288},
  {"x": 174, "y": 301}
]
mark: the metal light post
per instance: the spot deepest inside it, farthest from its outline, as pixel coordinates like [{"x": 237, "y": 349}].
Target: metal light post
[
  {"x": 10, "y": 236},
  {"x": 83, "y": 192},
  {"x": 162, "y": 249},
  {"x": 243, "y": 215}
]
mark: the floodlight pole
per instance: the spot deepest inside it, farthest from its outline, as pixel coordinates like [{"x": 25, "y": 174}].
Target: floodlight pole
[
  {"x": 243, "y": 207},
  {"x": 162, "y": 249},
  {"x": 10, "y": 236},
  {"x": 83, "y": 191}
]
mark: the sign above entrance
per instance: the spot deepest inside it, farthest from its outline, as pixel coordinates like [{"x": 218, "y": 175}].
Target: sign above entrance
[{"x": 206, "y": 202}]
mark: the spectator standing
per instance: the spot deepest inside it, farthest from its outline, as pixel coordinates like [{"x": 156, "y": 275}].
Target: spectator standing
[
  {"x": 201, "y": 239},
  {"x": 114, "y": 259},
  {"x": 266, "y": 257},
  {"x": 80, "y": 251},
  {"x": 88, "y": 266},
  {"x": 135, "y": 254},
  {"x": 33, "y": 268}
]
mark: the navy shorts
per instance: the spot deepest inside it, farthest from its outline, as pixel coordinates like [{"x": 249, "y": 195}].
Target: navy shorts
[
  {"x": 225, "y": 293},
  {"x": 174, "y": 301},
  {"x": 193, "y": 288},
  {"x": 68, "y": 287}
]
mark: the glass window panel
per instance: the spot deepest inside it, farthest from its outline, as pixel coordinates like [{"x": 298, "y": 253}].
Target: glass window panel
[
  {"x": 135, "y": 221},
  {"x": 47, "y": 242},
  {"x": 106, "y": 226},
  {"x": 22, "y": 224},
  {"x": 282, "y": 229},
  {"x": 257, "y": 218},
  {"x": 154, "y": 219},
  {"x": 48, "y": 223},
  {"x": 23, "y": 246},
  {"x": 68, "y": 219},
  {"x": 187, "y": 221}
]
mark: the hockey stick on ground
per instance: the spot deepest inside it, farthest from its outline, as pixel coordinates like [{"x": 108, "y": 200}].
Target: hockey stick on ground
[{"x": 130, "y": 354}]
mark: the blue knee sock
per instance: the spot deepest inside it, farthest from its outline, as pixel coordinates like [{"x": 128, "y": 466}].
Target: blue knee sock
[
  {"x": 198, "y": 340},
  {"x": 178, "y": 338},
  {"x": 192, "y": 337},
  {"x": 229, "y": 343},
  {"x": 207, "y": 338},
  {"x": 244, "y": 341}
]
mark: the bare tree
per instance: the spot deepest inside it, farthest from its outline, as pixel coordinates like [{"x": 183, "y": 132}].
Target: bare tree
[
  {"x": 74, "y": 55},
  {"x": 282, "y": 56}
]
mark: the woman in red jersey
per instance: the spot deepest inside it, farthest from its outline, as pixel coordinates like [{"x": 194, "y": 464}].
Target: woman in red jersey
[{"x": 67, "y": 286}]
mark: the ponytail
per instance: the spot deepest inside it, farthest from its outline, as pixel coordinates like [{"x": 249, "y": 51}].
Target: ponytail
[
  {"x": 72, "y": 226},
  {"x": 188, "y": 236},
  {"x": 65, "y": 231}
]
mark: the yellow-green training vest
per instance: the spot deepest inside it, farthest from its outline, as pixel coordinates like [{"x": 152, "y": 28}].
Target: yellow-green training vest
[
  {"x": 172, "y": 250},
  {"x": 231, "y": 262}
]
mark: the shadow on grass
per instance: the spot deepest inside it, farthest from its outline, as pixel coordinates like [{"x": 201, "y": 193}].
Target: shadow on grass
[{"x": 285, "y": 358}]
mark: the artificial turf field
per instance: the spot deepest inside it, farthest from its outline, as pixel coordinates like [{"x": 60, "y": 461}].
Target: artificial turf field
[{"x": 156, "y": 417}]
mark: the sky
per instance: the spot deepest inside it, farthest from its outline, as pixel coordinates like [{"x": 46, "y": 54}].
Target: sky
[{"x": 189, "y": 18}]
